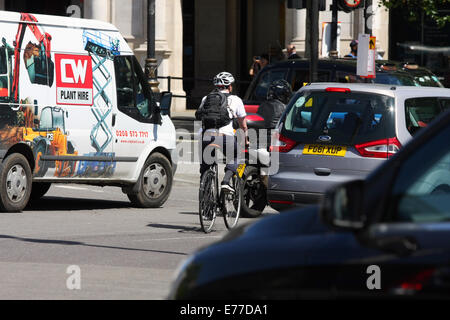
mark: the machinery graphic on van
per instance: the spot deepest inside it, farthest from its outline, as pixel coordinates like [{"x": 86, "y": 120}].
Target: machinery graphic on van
[
  {"x": 50, "y": 138},
  {"x": 101, "y": 47},
  {"x": 21, "y": 123}
]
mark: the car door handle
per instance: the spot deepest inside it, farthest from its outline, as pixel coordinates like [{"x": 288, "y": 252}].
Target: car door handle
[
  {"x": 113, "y": 119},
  {"x": 322, "y": 171}
]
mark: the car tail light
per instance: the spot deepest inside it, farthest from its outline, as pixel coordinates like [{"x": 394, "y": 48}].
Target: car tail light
[
  {"x": 281, "y": 143},
  {"x": 251, "y": 108},
  {"x": 383, "y": 148},
  {"x": 416, "y": 282},
  {"x": 282, "y": 202},
  {"x": 331, "y": 89},
  {"x": 254, "y": 117}
]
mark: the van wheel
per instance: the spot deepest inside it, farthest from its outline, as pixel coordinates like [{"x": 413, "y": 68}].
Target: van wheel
[
  {"x": 15, "y": 183},
  {"x": 39, "y": 189},
  {"x": 154, "y": 184}
]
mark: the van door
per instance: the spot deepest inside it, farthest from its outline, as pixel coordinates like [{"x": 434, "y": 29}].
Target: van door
[{"x": 132, "y": 124}]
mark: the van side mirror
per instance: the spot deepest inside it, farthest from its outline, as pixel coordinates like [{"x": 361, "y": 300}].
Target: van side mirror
[
  {"x": 341, "y": 207},
  {"x": 165, "y": 103}
]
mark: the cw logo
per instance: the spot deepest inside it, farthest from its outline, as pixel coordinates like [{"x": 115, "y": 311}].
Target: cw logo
[
  {"x": 73, "y": 71},
  {"x": 78, "y": 68}
]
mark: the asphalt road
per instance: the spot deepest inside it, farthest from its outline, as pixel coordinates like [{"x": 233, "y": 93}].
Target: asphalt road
[{"x": 91, "y": 238}]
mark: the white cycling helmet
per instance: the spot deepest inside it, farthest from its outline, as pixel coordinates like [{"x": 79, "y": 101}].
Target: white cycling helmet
[{"x": 223, "y": 79}]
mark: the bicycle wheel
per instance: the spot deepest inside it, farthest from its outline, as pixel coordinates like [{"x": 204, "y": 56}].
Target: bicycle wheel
[
  {"x": 207, "y": 201},
  {"x": 231, "y": 204}
]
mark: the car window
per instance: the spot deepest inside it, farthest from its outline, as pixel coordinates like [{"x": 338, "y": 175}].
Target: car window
[
  {"x": 347, "y": 77},
  {"x": 420, "y": 111},
  {"x": 421, "y": 191},
  {"x": 260, "y": 92},
  {"x": 445, "y": 104},
  {"x": 427, "y": 79},
  {"x": 395, "y": 79},
  {"x": 301, "y": 77},
  {"x": 347, "y": 118}
]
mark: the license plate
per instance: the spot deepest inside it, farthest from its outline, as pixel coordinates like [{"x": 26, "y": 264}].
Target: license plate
[
  {"x": 240, "y": 170},
  {"x": 338, "y": 151}
]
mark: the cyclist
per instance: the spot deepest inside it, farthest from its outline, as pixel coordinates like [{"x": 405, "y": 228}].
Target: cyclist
[{"x": 217, "y": 111}]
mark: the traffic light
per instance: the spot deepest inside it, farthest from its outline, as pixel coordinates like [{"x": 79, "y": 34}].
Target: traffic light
[
  {"x": 350, "y": 5},
  {"x": 301, "y": 4}
]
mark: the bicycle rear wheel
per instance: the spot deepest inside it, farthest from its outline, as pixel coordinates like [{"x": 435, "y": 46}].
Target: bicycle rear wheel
[
  {"x": 207, "y": 201},
  {"x": 231, "y": 204}
]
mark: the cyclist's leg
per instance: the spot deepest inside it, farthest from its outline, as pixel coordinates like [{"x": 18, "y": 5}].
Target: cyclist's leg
[
  {"x": 231, "y": 154},
  {"x": 207, "y": 157}
]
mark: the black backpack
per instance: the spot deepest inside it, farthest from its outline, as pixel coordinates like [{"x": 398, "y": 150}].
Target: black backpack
[{"x": 214, "y": 113}]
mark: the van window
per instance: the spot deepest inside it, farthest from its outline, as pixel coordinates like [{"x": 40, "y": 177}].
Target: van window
[
  {"x": 133, "y": 95},
  {"x": 347, "y": 118},
  {"x": 421, "y": 111},
  {"x": 260, "y": 92}
]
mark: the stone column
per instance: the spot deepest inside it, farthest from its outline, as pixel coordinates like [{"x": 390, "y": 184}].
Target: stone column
[
  {"x": 297, "y": 29},
  {"x": 380, "y": 28},
  {"x": 98, "y": 10}
]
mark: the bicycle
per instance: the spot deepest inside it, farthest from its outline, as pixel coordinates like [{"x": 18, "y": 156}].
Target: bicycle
[{"x": 212, "y": 201}]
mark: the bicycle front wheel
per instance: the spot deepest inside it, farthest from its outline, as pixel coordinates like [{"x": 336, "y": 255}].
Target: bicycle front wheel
[
  {"x": 207, "y": 201},
  {"x": 231, "y": 208}
]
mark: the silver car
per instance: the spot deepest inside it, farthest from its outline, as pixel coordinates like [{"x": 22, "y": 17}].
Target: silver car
[{"x": 332, "y": 133}]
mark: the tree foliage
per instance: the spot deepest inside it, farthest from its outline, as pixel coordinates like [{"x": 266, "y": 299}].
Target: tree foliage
[{"x": 415, "y": 8}]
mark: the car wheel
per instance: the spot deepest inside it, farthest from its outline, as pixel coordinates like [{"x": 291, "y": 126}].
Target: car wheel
[
  {"x": 15, "y": 183},
  {"x": 154, "y": 184},
  {"x": 39, "y": 189},
  {"x": 254, "y": 193}
]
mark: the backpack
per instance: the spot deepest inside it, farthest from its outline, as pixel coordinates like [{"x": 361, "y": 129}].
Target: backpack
[{"x": 214, "y": 113}]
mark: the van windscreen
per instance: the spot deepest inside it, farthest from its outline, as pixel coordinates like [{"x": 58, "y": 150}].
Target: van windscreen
[{"x": 348, "y": 118}]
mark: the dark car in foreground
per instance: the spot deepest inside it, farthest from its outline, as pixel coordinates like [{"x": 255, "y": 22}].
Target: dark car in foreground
[{"x": 387, "y": 236}]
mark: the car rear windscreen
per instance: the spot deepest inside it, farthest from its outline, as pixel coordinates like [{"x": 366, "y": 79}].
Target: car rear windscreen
[{"x": 348, "y": 118}]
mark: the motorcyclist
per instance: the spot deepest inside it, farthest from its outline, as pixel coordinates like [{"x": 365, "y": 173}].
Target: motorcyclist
[{"x": 278, "y": 96}]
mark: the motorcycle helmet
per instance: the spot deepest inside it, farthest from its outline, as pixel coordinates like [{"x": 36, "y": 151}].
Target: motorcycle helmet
[{"x": 280, "y": 90}]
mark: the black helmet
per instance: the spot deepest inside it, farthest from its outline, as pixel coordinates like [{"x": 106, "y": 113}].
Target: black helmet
[{"x": 279, "y": 90}]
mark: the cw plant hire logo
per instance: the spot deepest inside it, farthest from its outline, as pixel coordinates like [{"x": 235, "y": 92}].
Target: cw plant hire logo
[{"x": 74, "y": 80}]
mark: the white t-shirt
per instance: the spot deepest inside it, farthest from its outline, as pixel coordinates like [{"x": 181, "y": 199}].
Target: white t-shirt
[{"x": 235, "y": 109}]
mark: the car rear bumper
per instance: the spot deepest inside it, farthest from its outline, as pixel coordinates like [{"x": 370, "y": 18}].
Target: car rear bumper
[{"x": 280, "y": 200}]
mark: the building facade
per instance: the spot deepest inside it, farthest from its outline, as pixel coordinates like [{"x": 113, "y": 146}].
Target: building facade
[{"x": 196, "y": 39}]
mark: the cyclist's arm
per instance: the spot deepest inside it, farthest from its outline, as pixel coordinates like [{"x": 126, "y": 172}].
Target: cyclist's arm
[{"x": 243, "y": 123}]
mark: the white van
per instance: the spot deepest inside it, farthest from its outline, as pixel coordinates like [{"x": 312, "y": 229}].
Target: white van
[{"x": 76, "y": 108}]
